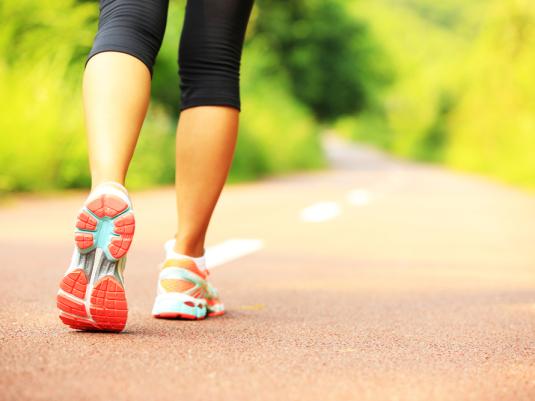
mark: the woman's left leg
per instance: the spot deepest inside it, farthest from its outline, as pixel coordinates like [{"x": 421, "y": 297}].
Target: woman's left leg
[
  {"x": 209, "y": 58},
  {"x": 206, "y": 137},
  {"x": 116, "y": 91}
]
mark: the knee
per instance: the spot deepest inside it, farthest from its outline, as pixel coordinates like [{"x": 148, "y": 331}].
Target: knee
[
  {"x": 135, "y": 27},
  {"x": 210, "y": 52},
  {"x": 208, "y": 76}
]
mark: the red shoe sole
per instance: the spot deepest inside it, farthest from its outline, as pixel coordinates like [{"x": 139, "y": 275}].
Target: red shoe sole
[
  {"x": 171, "y": 315},
  {"x": 175, "y": 315},
  {"x": 108, "y": 309},
  {"x": 216, "y": 314},
  {"x": 98, "y": 306}
]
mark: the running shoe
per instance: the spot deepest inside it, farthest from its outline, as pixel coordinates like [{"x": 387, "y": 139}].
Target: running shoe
[
  {"x": 183, "y": 290},
  {"x": 91, "y": 294}
]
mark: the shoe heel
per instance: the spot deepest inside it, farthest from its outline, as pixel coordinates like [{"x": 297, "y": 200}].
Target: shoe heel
[
  {"x": 70, "y": 301},
  {"x": 108, "y": 304}
]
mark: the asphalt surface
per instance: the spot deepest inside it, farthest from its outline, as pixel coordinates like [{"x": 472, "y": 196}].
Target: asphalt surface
[{"x": 420, "y": 288}]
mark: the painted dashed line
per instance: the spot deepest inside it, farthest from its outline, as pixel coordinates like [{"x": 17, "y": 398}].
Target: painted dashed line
[
  {"x": 321, "y": 211},
  {"x": 233, "y": 249},
  {"x": 230, "y": 250},
  {"x": 324, "y": 211}
]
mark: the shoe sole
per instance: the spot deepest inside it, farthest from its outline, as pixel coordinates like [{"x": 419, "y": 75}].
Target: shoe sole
[
  {"x": 91, "y": 295},
  {"x": 182, "y": 306}
]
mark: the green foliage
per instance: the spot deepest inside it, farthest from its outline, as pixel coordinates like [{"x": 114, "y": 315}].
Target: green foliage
[
  {"x": 165, "y": 80},
  {"x": 426, "y": 56},
  {"x": 154, "y": 158},
  {"x": 448, "y": 82},
  {"x": 277, "y": 133},
  {"x": 334, "y": 66},
  {"x": 41, "y": 145},
  {"x": 463, "y": 89},
  {"x": 43, "y": 46},
  {"x": 493, "y": 127}
]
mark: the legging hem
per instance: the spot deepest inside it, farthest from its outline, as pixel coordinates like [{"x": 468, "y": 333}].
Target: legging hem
[
  {"x": 210, "y": 101},
  {"x": 119, "y": 49}
]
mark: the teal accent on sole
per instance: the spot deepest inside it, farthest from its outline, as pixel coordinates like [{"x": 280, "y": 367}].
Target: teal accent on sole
[
  {"x": 103, "y": 233},
  {"x": 166, "y": 306}
]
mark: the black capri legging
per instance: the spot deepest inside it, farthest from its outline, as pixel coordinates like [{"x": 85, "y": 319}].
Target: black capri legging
[{"x": 210, "y": 45}]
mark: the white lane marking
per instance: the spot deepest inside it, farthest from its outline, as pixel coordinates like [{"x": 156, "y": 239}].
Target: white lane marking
[
  {"x": 321, "y": 211},
  {"x": 230, "y": 250},
  {"x": 359, "y": 197}
]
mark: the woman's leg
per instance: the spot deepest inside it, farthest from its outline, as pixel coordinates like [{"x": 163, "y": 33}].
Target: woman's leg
[
  {"x": 116, "y": 94},
  {"x": 116, "y": 87},
  {"x": 209, "y": 59},
  {"x": 114, "y": 110},
  {"x": 206, "y": 137}
]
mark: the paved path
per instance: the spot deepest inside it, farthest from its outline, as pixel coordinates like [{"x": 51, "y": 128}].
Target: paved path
[{"x": 377, "y": 280}]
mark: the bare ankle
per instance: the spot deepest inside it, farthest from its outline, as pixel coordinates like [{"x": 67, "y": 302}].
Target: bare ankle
[{"x": 193, "y": 248}]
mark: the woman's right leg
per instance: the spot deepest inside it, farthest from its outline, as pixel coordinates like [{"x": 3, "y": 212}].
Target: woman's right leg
[
  {"x": 116, "y": 93},
  {"x": 117, "y": 80},
  {"x": 209, "y": 58}
]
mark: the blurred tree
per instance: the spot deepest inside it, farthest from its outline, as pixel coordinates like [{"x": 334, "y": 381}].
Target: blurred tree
[
  {"x": 165, "y": 80},
  {"x": 332, "y": 61}
]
